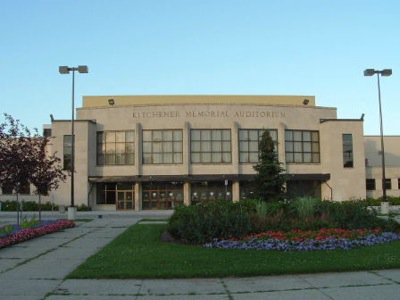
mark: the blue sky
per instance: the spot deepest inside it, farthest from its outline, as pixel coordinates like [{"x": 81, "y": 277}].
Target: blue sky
[{"x": 153, "y": 47}]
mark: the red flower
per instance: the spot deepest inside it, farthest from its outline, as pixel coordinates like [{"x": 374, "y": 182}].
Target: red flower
[
  {"x": 30, "y": 233},
  {"x": 319, "y": 235}
]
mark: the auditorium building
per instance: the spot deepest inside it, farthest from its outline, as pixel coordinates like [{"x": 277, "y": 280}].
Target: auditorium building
[{"x": 157, "y": 152}]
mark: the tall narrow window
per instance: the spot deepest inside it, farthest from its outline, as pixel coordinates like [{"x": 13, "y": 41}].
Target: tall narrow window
[
  {"x": 388, "y": 183},
  {"x": 347, "y": 150},
  {"x": 249, "y": 139},
  {"x": 210, "y": 146},
  {"x": 67, "y": 152},
  {"x": 116, "y": 147},
  {"x": 302, "y": 146}
]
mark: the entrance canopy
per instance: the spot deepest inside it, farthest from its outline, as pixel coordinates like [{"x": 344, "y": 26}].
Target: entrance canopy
[{"x": 206, "y": 177}]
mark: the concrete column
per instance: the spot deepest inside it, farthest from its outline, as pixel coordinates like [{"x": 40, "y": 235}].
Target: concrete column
[
  {"x": 281, "y": 144},
  {"x": 138, "y": 166},
  {"x": 138, "y": 149},
  {"x": 186, "y": 147},
  {"x": 187, "y": 194},
  {"x": 235, "y": 191},
  {"x": 138, "y": 196},
  {"x": 235, "y": 147}
]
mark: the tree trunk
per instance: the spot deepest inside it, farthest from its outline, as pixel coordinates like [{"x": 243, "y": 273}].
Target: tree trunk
[
  {"x": 17, "y": 210},
  {"x": 40, "y": 208}
]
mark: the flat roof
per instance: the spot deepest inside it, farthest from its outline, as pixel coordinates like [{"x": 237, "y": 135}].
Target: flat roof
[{"x": 107, "y": 101}]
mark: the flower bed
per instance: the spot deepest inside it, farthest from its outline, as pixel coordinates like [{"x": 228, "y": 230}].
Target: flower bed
[
  {"x": 18, "y": 235},
  {"x": 298, "y": 240}
]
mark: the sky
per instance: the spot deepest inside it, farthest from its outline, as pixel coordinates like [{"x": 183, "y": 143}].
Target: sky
[{"x": 195, "y": 47}]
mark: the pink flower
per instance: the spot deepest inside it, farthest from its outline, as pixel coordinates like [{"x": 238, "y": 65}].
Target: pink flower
[{"x": 30, "y": 233}]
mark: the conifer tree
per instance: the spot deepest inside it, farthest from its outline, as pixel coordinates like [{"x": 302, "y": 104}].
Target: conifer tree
[{"x": 270, "y": 179}]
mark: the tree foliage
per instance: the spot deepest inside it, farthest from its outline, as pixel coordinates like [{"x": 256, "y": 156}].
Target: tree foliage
[
  {"x": 48, "y": 171},
  {"x": 24, "y": 159},
  {"x": 17, "y": 153},
  {"x": 270, "y": 179}
]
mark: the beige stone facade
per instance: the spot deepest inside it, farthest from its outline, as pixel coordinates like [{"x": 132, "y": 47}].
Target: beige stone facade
[
  {"x": 155, "y": 152},
  {"x": 373, "y": 163}
]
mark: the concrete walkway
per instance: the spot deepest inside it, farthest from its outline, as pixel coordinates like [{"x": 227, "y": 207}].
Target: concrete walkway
[{"x": 36, "y": 270}]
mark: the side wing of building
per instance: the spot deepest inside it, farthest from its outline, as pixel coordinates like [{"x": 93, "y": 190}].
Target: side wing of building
[{"x": 373, "y": 162}]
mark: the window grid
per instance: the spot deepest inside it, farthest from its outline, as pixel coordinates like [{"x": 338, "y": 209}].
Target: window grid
[
  {"x": 116, "y": 147},
  {"x": 162, "y": 146},
  {"x": 302, "y": 146},
  {"x": 249, "y": 140},
  {"x": 210, "y": 146}
]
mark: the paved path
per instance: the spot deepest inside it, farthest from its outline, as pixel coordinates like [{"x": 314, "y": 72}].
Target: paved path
[{"x": 36, "y": 270}]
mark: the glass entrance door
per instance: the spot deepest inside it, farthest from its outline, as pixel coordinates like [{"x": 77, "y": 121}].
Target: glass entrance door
[{"x": 125, "y": 200}]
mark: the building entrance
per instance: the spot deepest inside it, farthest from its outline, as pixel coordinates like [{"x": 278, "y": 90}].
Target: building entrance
[
  {"x": 120, "y": 194},
  {"x": 211, "y": 190},
  {"x": 162, "y": 195},
  {"x": 125, "y": 200}
]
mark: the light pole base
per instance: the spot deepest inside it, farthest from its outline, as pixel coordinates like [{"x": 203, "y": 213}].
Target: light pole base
[
  {"x": 71, "y": 213},
  {"x": 384, "y": 208}
]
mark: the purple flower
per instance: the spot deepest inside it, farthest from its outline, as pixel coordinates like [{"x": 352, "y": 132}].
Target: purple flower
[{"x": 306, "y": 245}]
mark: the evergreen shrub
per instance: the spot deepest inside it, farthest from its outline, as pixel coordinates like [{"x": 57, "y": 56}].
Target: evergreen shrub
[
  {"x": 202, "y": 222},
  {"x": 222, "y": 219},
  {"x": 83, "y": 207},
  {"x": 11, "y": 205},
  {"x": 377, "y": 202}
]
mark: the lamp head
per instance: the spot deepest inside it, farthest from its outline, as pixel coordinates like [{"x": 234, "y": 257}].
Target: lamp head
[
  {"x": 369, "y": 72},
  {"x": 83, "y": 69},
  {"x": 63, "y": 69},
  {"x": 306, "y": 101},
  {"x": 386, "y": 72}
]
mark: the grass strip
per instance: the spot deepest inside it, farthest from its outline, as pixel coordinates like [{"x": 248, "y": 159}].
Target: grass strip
[
  {"x": 154, "y": 220},
  {"x": 139, "y": 253}
]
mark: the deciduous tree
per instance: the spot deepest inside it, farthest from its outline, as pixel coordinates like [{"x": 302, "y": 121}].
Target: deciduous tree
[
  {"x": 17, "y": 158},
  {"x": 47, "y": 172},
  {"x": 23, "y": 160}
]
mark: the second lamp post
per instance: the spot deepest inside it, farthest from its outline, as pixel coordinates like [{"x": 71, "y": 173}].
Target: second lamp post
[
  {"x": 67, "y": 70},
  {"x": 385, "y": 72}
]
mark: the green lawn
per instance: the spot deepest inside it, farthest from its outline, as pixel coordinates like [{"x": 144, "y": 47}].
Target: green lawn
[{"x": 139, "y": 253}]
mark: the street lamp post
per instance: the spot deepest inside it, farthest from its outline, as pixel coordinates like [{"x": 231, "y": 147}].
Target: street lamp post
[
  {"x": 385, "y": 72},
  {"x": 67, "y": 70}
]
